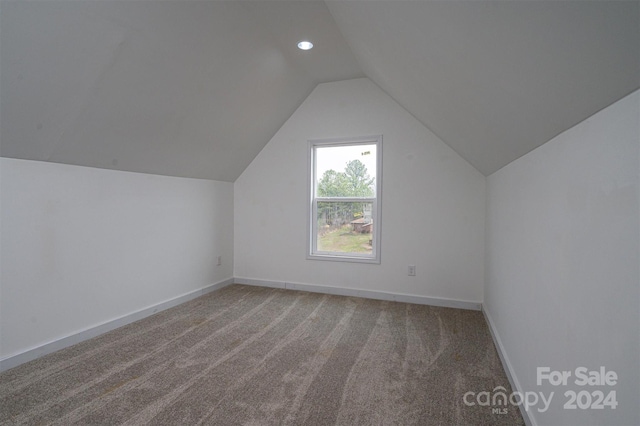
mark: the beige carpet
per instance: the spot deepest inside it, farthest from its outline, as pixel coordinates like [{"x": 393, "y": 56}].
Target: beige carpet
[{"x": 259, "y": 356}]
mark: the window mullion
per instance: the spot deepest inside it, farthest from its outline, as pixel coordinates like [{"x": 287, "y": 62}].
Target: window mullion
[
  {"x": 345, "y": 199},
  {"x": 331, "y": 216}
]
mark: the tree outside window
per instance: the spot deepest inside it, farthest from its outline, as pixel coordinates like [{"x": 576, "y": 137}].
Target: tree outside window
[{"x": 345, "y": 199}]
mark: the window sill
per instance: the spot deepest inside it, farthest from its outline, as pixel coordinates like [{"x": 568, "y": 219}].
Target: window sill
[{"x": 343, "y": 258}]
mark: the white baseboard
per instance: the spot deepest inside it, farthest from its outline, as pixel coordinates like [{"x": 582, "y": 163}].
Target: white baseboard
[
  {"x": 368, "y": 294},
  {"x": 506, "y": 364},
  {"x": 88, "y": 333}
]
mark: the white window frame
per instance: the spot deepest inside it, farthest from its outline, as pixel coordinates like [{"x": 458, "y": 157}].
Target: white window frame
[{"x": 312, "y": 222}]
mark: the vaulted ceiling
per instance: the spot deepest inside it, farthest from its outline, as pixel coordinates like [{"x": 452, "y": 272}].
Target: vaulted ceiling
[{"x": 197, "y": 88}]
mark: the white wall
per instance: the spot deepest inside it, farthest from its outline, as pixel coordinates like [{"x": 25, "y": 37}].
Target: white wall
[
  {"x": 563, "y": 286},
  {"x": 432, "y": 202},
  {"x": 83, "y": 246}
]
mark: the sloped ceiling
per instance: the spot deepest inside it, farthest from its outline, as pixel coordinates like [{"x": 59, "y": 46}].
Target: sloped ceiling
[
  {"x": 496, "y": 79},
  {"x": 197, "y": 88},
  {"x": 179, "y": 88}
]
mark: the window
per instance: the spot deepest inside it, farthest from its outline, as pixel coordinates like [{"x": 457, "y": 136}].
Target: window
[{"x": 344, "y": 203}]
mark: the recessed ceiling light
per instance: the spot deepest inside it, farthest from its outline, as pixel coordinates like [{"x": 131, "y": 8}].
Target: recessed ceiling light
[{"x": 305, "y": 45}]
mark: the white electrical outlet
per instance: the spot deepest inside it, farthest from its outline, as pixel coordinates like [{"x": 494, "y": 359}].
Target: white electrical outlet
[
  {"x": 412, "y": 270},
  {"x": 219, "y": 260}
]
